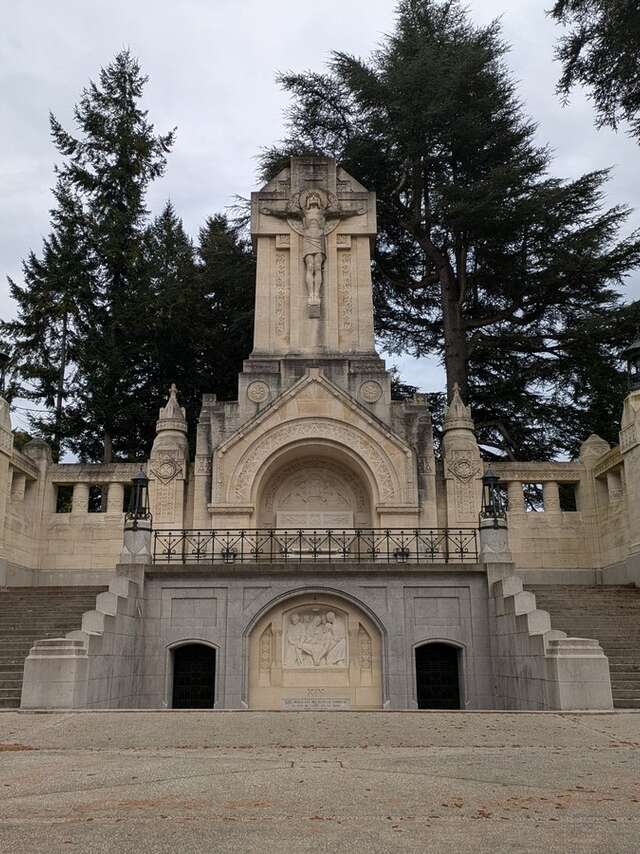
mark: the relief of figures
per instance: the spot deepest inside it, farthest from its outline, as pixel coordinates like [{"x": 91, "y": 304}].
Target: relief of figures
[{"x": 315, "y": 638}]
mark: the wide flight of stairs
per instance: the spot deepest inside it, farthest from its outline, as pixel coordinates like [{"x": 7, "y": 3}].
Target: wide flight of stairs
[
  {"x": 611, "y": 614},
  {"x": 28, "y": 614}
]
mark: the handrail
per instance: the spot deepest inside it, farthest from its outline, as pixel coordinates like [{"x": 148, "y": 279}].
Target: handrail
[{"x": 350, "y": 545}]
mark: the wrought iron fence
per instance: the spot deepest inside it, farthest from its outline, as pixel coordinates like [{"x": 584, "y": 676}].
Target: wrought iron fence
[{"x": 360, "y": 545}]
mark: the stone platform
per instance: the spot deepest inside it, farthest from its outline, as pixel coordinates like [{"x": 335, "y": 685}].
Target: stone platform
[{"x": 314, "y": 782}]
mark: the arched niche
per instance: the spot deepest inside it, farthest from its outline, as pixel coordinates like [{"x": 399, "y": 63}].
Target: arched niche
[
  {"x": 314, "y": 651},
  {"x": 313, "y": 487}
]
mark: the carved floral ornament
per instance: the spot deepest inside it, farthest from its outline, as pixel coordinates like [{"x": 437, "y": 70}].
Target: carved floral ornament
[
  {"x": 464, "y": 468},
  {"x": 370, "y": 391},
  {"x": 166, "y": 470},
  {"x": 258, "y": 391}
]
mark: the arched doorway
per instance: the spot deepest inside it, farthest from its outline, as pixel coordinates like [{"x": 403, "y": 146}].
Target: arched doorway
[
  {"x": 438, "y": 676},
  {"x": 194, "y": 676},
  {"x": 315, "y": 651}
]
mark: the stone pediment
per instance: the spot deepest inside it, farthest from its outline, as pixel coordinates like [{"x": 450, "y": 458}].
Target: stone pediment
[{"x": 314, "y": 412}]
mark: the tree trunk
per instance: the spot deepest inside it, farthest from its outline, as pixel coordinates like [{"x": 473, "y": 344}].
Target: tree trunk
[
  {"x": 455, "y": 342},
  {"x": 57, "y": 429},
  {"x": 107, "y": 456}
]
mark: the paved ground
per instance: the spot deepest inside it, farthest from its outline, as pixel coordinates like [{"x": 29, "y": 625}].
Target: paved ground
[{"x": 318, "y": 782}]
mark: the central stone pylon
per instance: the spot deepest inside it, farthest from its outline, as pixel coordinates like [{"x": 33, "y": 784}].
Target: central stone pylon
[{"x": 314, "y": 440}]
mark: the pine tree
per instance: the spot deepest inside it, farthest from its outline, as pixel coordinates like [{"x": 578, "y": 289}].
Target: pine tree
[
  {"x": 110, "y": 165},
  {"x": 51, "y": 304},
  {"x": 226, "y": 271},
  {"x": 482, "y": 257},
  {"x": 601, "y": 52}
]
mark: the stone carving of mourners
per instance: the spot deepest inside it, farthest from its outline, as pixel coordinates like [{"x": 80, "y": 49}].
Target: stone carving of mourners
[
  {"x": 319, "y": 638},
  {"x": 318, "y": 212},
  {"x": 295, "y": 638}
]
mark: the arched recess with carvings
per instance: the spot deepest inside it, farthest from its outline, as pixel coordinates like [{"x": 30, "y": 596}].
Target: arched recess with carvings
[
  {"x": 314, "y": 486},
  {"x": 314, "y": 649},
  {"x": 385, "y": 473}
]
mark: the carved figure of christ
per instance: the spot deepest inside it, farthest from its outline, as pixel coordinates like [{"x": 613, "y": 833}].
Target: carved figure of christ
[{"x": 314, "y": 215}]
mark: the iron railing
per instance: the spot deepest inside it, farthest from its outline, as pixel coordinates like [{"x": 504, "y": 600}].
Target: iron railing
[{"x": 359, "y": 545}]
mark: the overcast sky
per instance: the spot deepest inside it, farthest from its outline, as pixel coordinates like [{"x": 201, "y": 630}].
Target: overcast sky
[{"x": 211, "y": 65}]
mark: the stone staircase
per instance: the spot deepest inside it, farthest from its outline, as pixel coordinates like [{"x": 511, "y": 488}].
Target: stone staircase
[
  {"x": 610, "y": 613},
  {"x": 28, "y": 614}
]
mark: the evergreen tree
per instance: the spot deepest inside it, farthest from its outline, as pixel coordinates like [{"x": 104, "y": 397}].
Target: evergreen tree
[
  {"x": 226, "y": 271},
  {"x": 482, "y": 257},
  {"x": 51, "y": 303},
  {"x": 110, "y": 165},
  {"x": 601, "y": 52},
  {"x": 178, "y": 324}
]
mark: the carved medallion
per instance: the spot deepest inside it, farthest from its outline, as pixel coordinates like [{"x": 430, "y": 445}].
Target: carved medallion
[
  {"x": 258, "y": 392},
  {"x": 464, "y": 469},
  {"x": 166, "y": 470},
  {"x": 370, "y": 391}
]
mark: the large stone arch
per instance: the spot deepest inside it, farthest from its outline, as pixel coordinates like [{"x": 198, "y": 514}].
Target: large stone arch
[
  {"x": 351, "y": 441},
  {"x": 314, "y": 649},
  {"x": 314, "y": 485}
]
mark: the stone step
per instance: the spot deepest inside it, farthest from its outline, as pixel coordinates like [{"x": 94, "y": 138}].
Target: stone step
[{"x": 30, "y": 614}]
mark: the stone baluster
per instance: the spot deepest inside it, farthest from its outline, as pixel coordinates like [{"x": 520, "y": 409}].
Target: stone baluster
[
  {"x": 80, "y": 503},
  {"x": 515, "y": 496},
  {"x": 115, "y": 498},
  {"x": 551, "y": 496}
]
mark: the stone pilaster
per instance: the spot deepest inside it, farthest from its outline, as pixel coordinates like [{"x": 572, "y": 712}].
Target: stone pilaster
[
  {"x": 591, "y": 451},
  {"x": 463, "y": 467},
  {"x": 6, "y": 449},
  {"x": 630, "y": 449},
  {"x": 168, "y": 464}
]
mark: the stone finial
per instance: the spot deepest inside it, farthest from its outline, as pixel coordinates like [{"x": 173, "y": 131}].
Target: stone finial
[
  {"x": 457, "y": 416},
  {"x": 172, "y": 415},
  {"x": 593, "y": 448}
]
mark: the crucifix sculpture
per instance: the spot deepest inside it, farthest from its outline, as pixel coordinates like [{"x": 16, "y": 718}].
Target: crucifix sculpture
[{"x": 313, "y": 214}]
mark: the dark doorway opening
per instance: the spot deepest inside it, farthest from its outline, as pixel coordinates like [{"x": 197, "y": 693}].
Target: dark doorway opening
[
  {"x": 437, "y": 676},
  {"x": 194, "y": 676}
]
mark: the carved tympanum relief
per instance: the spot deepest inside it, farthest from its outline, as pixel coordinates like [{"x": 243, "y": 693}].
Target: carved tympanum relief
[{"x": 315, "y": 637}]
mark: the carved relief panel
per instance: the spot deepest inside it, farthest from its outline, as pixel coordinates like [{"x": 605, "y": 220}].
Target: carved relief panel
[
  {"x": 314, "y": 637},
  {"x": 319, "y": 652}
]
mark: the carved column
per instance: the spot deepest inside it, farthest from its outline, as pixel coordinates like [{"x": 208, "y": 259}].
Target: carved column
[
  {"x": 515, "y": 497},
  {"x": 167, "y": 469},
  {"x": 80, "y": 502},
  {"x": 463, "y": 467},
  {"x": 115, "y": 499},
  {"x": 551, "y": 496}
]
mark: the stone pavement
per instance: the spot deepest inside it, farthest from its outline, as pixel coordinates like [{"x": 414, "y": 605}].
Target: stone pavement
[{"x": 156, "y": 782}]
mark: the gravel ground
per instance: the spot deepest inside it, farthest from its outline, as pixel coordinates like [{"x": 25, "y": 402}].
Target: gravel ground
[{"x": 319, "y": 782}]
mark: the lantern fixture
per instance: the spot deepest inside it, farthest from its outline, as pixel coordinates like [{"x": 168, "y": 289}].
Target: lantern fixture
[
  {"x": 493, "y": 504},
  {"x": 632, "y": 357},
  {"x": 139, "y": 502}
]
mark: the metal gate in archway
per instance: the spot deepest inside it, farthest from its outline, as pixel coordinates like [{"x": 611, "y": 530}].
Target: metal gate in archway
[
  {"x": 438, "y": 676},
  {"x": 194, "y": 676}
]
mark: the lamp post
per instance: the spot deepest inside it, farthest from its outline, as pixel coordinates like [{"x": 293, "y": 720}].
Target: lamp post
[
  {"x": 493, "y": 512},
  {"x": 5, "y": 358},
  {"x": 139, "y": 503},
  {"x": 632, "y": 357}
]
